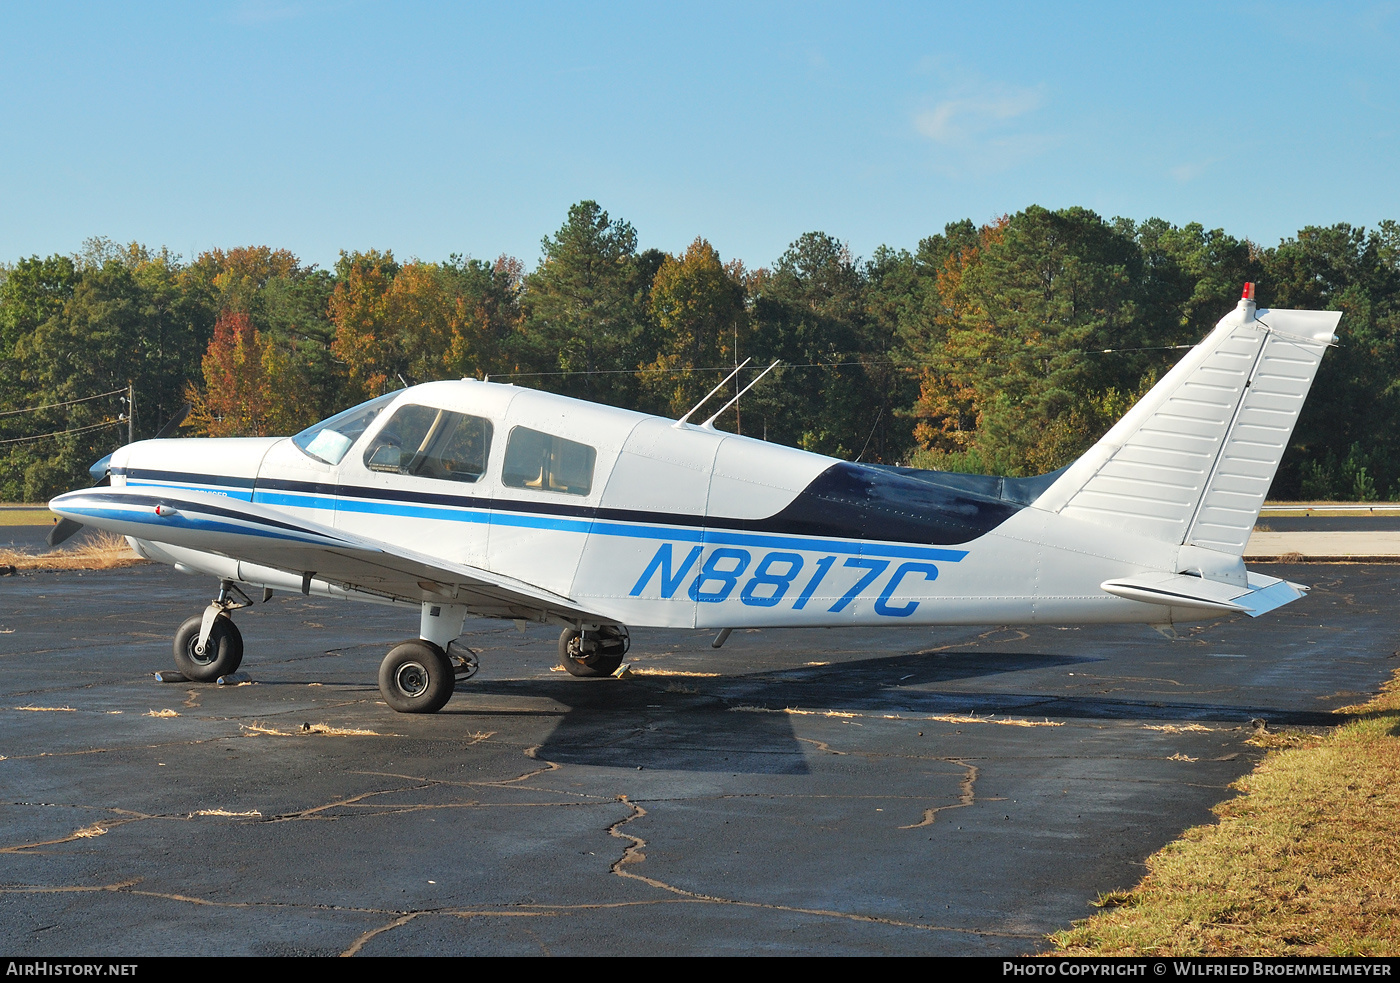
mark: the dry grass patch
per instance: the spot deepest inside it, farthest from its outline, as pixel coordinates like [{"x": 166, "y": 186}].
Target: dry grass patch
[
  {"x": 311, "y": 729},
  {"x": 1305, "y": 862},
  {"x": 944, "y": 718},
  {"x": 794, "y": 711},
  {"x": 1279, "y": 740},
  {"x": 651, "y": 671},
  {"x": 1176, "y": 728},
  {"x": 957, "y": 718},
  {"x": 98, "y": 551}
]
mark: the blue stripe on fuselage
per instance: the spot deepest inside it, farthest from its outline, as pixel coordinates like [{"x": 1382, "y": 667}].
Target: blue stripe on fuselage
[{"x": 584, "y": 525}]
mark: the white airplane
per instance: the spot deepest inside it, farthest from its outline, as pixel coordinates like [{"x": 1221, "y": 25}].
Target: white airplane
[{"x": 466, "y": 498}]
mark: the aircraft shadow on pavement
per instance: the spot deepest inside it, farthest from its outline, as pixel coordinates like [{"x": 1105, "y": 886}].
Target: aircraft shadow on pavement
[{"x": 718, "y": 724}]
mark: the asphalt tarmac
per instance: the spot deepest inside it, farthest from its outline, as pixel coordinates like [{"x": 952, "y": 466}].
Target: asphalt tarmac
[
  {"x": 1329, "y": 523},
  {"x": 842, "y": 792}
]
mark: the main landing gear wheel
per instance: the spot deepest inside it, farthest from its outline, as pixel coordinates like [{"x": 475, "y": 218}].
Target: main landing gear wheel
[
  {"x": 222, "y": 653},
  {"x": 593, "y": 653},
  {"x": 416, "y": 677}
]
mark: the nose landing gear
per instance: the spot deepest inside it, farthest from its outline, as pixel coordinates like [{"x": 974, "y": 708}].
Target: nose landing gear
[
  {"x": 209, "y": 645},
  {"x": 221, "y": 654}
]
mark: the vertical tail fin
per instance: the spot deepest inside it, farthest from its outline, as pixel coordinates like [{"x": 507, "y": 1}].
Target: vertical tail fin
[{"x": 1191, "y": 462}]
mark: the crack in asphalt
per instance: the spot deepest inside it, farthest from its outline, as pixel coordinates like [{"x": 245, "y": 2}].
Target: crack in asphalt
[
  {"x": 966, "y": 797},
  {"x": 347, "y": 801},
  {"x": 360, "y": 942},
  {"x": 92, "y": 830},
  {"x": 634, "y": 853}
]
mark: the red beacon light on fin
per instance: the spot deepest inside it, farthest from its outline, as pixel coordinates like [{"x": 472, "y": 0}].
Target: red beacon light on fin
[{"x": 1248, "y": 292}]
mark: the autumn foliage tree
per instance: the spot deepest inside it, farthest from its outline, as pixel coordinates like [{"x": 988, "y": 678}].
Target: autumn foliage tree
[
  {"x": 697, "y": 307},
  {"x": 418, "y": 322},
  {"x": 245, "y": 384},
  {"x": 237, "y": 277},
  {"x": 357, "y": 308}
]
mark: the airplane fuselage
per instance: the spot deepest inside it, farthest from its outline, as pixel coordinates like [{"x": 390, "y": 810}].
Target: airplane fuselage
[{"x": 682, "y": 527}]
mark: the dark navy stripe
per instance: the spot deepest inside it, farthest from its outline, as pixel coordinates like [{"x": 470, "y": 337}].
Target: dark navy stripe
[
  {"x": 185, "y": 476},
  {"x": 846, "y": 501}
]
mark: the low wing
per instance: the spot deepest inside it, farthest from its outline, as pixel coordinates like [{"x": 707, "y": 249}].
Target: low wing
[{"x": 303, "y": 550}]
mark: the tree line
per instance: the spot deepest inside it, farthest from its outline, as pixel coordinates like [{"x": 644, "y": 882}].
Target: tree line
[{"x": 1006, "y": 348}]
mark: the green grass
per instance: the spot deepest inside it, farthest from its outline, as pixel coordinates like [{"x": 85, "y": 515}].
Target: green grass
[
  {"x": 1305, "y": 862},
  {"x": 26, "y": 515}
]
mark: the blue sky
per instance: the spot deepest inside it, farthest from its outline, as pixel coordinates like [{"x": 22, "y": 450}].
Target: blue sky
[{"x": 430, "y": 129}]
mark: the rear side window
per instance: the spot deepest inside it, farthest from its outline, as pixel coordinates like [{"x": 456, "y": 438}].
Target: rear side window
[
  {"x": 549, "y": 463},
  {"x": 431, "y": 443}
]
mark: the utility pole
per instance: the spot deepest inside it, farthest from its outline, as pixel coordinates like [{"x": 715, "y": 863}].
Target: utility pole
[{"x": 130, "y": 412}]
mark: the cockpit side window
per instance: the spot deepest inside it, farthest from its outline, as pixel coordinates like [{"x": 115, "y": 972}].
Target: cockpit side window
[
  {"x": 548, "y": 463},
  {"x": 328, "y": 440},
  {"x": 431, "y": 443}
]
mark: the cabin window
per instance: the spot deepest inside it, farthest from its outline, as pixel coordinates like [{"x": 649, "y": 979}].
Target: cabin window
[
  {"x": 549, "y": 463},
  {"x": 328, "y": 440},
  {"x": 431, "y": 443}
]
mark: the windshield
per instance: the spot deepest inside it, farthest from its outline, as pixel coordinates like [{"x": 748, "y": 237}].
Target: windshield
[{"x": 329, "y": 440}]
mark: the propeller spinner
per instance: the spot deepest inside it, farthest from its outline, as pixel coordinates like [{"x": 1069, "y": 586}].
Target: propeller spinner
[{"x": 101, "y": 475}]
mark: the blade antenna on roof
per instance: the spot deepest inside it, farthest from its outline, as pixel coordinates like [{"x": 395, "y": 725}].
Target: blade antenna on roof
[
  {"x": 682, "y": 421},
  {"x": 710, "y": 423}
]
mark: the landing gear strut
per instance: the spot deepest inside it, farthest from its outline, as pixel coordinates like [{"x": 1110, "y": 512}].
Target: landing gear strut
[
  {"x": 593, "y": 651},
  {"x": 209, "y": 645},
  {"x": 418, "y": 676}
]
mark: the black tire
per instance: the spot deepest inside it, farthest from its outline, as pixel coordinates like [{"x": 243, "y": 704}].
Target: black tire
[
  {"x": 222, "y": 655},
  {"x": 610, "y": 645},
  {"x": 416, "y": 677}
]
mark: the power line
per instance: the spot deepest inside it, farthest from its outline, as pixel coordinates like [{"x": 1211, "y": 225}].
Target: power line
[
  {"x": 60, "y": 433},
  {"x": 66, "y": 402},
  {"x": 842, "y": 364}
]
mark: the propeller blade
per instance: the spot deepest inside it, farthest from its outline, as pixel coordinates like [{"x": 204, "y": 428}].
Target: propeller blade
[
  {"x": 175, "y": 421},
  {"x": 62, "y": 530}
]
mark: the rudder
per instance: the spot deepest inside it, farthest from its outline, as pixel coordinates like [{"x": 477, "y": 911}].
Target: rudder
[{"x": 1191, "y": 463}]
